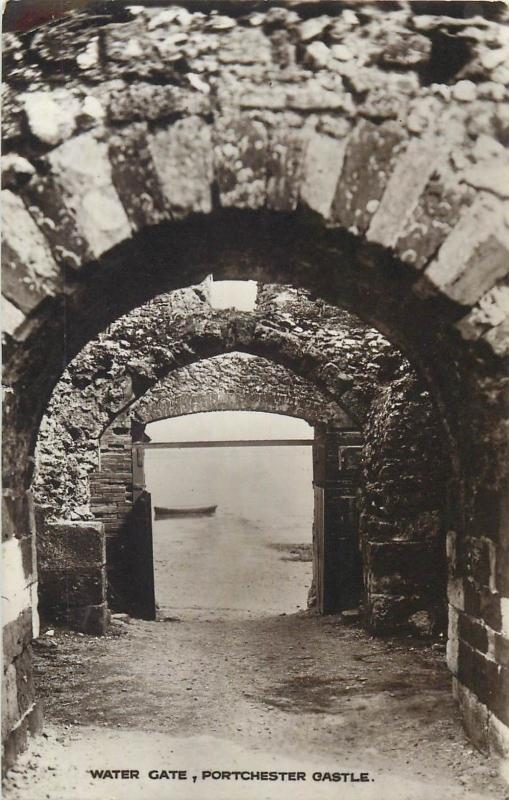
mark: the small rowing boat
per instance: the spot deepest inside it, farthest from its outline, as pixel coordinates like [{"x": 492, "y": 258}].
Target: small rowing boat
[{"x": 184, "y": 511}]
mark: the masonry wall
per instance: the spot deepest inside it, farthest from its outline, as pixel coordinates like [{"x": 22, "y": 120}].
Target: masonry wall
[
  {"x": 72, "y": 574},
  {"x": 111, "y": 502},
  {"x": 324, "y": 346},
  {"x": 336, "y": 132},
  {"x": 403, "y": 511},
  {"x": 20, "y": 713},
  {"x": 477, "y": 647}
]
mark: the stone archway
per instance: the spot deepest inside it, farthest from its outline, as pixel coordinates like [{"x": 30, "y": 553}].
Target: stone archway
[
  {"x": 255, "y": 176},
  {"x": 232, "y": 382},
  {"x": 332, "y": 349},
  {"x": 329, "y": 347}
]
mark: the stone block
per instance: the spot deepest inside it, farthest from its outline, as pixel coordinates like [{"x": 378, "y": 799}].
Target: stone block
[
  {"x": 433, "y": 218},
  {"x": 473, "y": 632},
  {"x": 490, "y": 609},
  {"x": 478, "y": 673},
  {"x": 14, "y": 743},
  {"x": 404, "y": 188},
  {"x": 323, "y": 164},
  {"x": 452, "y": 640},
  {"x": 388, "y": 613},
  {"x": 12, "y": 320},
  {"x": 240, "y": 161},
  {"x": 491, "y": 311},
  {"x": 10, "y": 709},
  {"x": 320, "y": 94},
  {"x": 62, "y": 590},
  {"x": 134, "y": 177},
  {"x": 28, "y": 557},
  {"x": 71, "y": 546},
  {"x": 24, "y": 680},
  {"x": 498, "y": 701},
  {"x": 476, "y": 555},
  {"x": 407, "y": 558},
  {"x": 16, "y": 635},
  {"x": 16, "y": 740},
  {"x": 474, "y": 715},
  {"x": 501, "y": 649},
  {"x": 498, "y": 737},
  {"x": 57, "y": 220},
  {"x": 182, "y": 155},
  {"x": 90, "y": 619},
  {"x": 491, "y": 175},
  {"x": 369, "y": 160},
  {"x": 142, "y": 101},
  {"x": 81, "y": 170},
  {"x": 18, "y": 514},
  {"x": 29, "y": 272},
  {"x": 284, "y": 168},
  {"x": 504, "y": 616},
  {"x": 51, "y": 116},
  {"x": 475, "y": 254}
]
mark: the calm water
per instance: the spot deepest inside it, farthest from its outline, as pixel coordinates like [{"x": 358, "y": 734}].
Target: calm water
[{"x": 237, "y": 562}]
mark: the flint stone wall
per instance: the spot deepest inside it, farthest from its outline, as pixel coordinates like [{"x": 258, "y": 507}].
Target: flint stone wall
[{"x": 403, "y": 510}]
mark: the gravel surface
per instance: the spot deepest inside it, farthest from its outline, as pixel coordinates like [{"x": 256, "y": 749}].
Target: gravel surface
[{"x": 286, "y": 693}]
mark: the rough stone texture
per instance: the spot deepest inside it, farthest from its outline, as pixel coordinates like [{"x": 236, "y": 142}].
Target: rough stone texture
[
  {"x": 30, "y": 274},
  {"x": 72, "y": 574},
  {"x": 201, "y": 84},
  {"x": 403, "y": 505},
  {"x": 237, "y": 382},
  {"x": 445, "y": 76},
  {"x": 403, "y": 489},
  {"x": 330, "y": 347}
]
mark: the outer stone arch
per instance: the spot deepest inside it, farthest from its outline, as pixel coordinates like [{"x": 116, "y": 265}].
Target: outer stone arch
[{"x": 429, "y": 256}]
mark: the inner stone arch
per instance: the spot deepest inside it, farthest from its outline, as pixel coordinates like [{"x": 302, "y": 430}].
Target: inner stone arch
[
  {"x": 325, "y": 345},
  {"x": 345, "y": 364}
]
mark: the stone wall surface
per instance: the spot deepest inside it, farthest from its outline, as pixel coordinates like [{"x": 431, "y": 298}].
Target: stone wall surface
[
  {"x": 357, "y": 153},
  {"x": 237, "y": 382},
  {"x": 72, "y": 574},
  {"x": 403, "y": 510},
  {"x": 111, "y": 501}
]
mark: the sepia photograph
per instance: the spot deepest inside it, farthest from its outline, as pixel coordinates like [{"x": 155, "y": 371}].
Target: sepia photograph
[{"x": 255, "y": 337}]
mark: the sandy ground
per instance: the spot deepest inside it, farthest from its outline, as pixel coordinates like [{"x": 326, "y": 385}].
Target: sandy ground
[
  {"x": 237, "y": 569},
  {"x": 219, "y": 684},
  {"x": 288, "y": 693}
]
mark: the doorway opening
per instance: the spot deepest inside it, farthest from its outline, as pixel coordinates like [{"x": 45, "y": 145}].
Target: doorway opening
[{"x": 245, "y": 547}]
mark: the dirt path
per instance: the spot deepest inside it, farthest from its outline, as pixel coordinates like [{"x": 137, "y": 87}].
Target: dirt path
[{"x": 283, "y": 693}]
